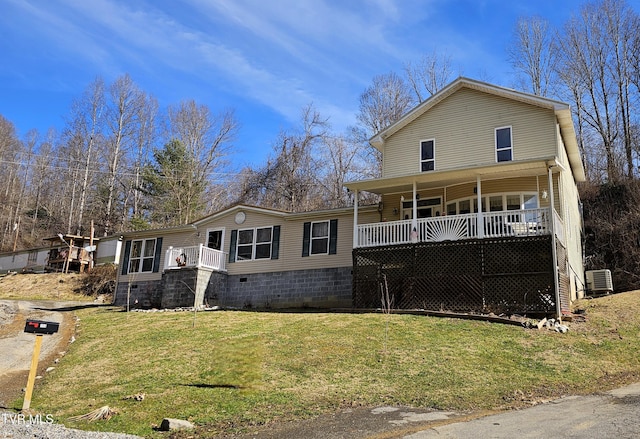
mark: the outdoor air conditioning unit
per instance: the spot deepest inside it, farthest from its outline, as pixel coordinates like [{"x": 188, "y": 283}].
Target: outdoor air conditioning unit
[{"x": 599, "y": 281}]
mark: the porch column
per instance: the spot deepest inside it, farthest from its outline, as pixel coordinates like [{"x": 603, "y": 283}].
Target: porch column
[
  {"x": 554, "y": 250},
  {"x": 355, "y": 219},
  {"x": 414, "y": 221},
  {"x": 479, "y": 216}
]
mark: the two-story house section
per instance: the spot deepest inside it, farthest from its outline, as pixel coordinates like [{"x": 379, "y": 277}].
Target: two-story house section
[{"x": 480, "y": 209}]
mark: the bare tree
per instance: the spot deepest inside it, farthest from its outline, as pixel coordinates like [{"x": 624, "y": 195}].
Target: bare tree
[
  {"x": 10, "y": 156},
  {"x": 123, "y": 106},
  {"x": 533, "y": 54},
  {"x": 585, "y": 54},
  {"x": 384, "y": 102},
  {"x": 82, "y": 132},
  {"x": 288, "y": 180},
  {"x": 144, "y": 139},
  {"x": 208, "y": 140},
  {"x": 42, "y": 182},
  {"x": 621, "y": 26},
  {"x": 429, "y": 75}
]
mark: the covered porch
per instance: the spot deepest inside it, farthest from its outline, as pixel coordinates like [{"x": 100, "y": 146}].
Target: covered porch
[
  {"x": 484, "y": 239},
  {"x": 512, "y": 223},
  {"x": 516, "y": 199}
]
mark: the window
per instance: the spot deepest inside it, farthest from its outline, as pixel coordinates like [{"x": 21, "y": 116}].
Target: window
[
  {"x": 514, "y": 202},
  {"x": 142, "y": 256},
  {"x": 254, "y": 244},
  {"x": 427, "y": 155},
  {"x": 320, "y": 238},
  {"x": 214, "y": 239},
  {"x": 494, "y": 203},
  {"x": 426, "y": 208},
  {"x": 263, "y": 243},
  {"x": 504, "y": 145}
]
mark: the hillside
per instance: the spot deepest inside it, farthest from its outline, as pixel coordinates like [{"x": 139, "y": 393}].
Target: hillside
[{"x": 94, "y": 286}]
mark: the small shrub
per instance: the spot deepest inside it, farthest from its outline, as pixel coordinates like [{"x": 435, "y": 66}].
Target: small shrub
[{"x": 100, "y": 281}]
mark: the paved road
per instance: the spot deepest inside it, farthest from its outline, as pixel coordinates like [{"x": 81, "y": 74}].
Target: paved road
[{"x": 615, "y": 414}]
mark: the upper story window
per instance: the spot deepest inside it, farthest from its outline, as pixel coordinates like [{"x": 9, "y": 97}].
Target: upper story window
[
  {"x": 504, "y": 144},
  {"x": 427, "y": 155},
  {"x": 142, "y": 255}
]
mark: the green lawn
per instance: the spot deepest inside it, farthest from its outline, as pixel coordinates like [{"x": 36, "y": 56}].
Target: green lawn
[{"x": 234, "y": 369}]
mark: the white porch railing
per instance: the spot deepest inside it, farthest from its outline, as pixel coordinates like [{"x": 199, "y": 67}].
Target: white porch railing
[
  {"x": 195, "y": 256},
  {"x": 527, "y": 222}
]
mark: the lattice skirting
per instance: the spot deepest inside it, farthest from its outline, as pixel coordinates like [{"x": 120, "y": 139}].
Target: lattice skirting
[{"x": 506, "y": 275}]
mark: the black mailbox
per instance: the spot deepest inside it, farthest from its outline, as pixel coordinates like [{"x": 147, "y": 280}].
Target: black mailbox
[{"x": 41, "y": 327}]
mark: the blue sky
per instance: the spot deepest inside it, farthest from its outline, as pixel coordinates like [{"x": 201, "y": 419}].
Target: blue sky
[{"x": 266, "y": 59}]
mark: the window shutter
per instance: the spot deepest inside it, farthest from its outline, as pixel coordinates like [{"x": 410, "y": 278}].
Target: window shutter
[
  {"x": 333, "y": 236},
  {"x": 306, "y": 239},
  {"x": 275, "y": 243},
  {"x": 156, "y": 257},
  {"x": 127, "y": 253},
  {"x": 232, "y": 245}
]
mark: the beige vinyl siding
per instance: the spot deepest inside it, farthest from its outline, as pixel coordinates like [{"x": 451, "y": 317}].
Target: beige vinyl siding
[
  {"x": 254, "y": 219},
  {"x": 394, "y": 201},
  {"x": 184, "y": 239},
  {"x": 390, "y": 202},
  {"x": 290, "y": 248},
  {"x": 291, "y": 237},
  {"x": 572, "y": 221},
  {"x": 463, "y": 126}
]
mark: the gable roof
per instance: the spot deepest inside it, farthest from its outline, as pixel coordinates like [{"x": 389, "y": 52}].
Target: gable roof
[{"x": 561, "y": 110}]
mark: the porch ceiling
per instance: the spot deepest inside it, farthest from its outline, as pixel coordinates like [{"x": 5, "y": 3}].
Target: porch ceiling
[{"x": 431, "y": 179}]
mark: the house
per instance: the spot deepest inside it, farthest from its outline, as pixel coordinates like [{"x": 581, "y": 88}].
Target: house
[
  {"x": 479, "y": 212},
  {"x": 63, "y": 253},
  {"x": 28, "y": 260},
  {"x": 480, "y": 207},
  {"x": 244, "y": 257}
]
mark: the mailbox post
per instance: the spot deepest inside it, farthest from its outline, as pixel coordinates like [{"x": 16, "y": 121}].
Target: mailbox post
[{"x": 39, "y": 328}]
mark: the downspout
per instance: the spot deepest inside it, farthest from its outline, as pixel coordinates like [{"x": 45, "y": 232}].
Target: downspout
[
  {"x": 554, "y": 251},
  {"x": 355, "y": 219}
]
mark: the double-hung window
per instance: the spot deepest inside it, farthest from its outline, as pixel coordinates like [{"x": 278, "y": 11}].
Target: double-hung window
[
  {"x": 320, "y": 238},
  {"x": 504, "y": 144},
  {"x": 254, "y": 243},
  {"x": 427, "y": 155},
  {"x": 142, "y": 254}
]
